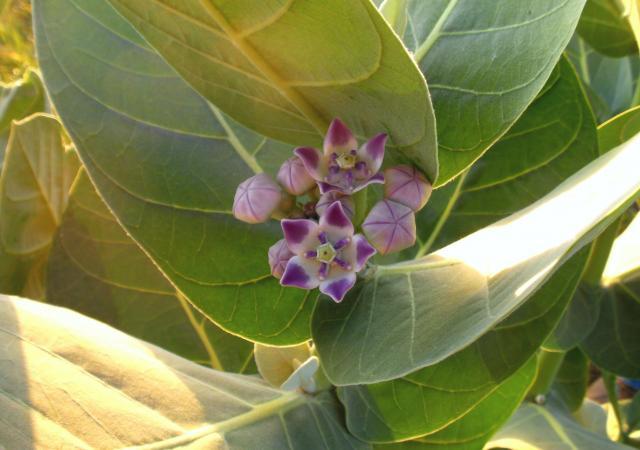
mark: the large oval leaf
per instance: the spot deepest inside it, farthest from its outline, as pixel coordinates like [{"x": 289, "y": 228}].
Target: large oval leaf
[
  {"x": 467, "y": 50},
  {"x": 167, "y": 164},
  {"x": 428, "y": 309},
  {"x": 287, "y": 67},
  {"x": 34, "y": 185},
  {"x": 67, "y": 381},
  {"x": 444, "y": 396},
  {"x": 97, "y": 270}
]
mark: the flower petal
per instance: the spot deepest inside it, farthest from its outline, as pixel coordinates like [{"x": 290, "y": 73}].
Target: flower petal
[
  {"x": 294, "y": 177},
  {"x": 332, "y": 196},
  {"x": 301, "y": 272},
  {"x": 339, "y": 138},
  {"x": 313, "y": 161},
  {"x": 363, "y": 251},
  {"x": 279, "y": 256},
  {"x": 390, "y": 226},
  {"x": 301, "y": 235},
  {"x": 256, "y": 199},
  {"x": 336, "y": 288},
  {"x": 406, "y": 185},
  {"x": 378, "y": 178},
  {"x": 335, "y": 222},
  {"x": 372, "y": 152}
]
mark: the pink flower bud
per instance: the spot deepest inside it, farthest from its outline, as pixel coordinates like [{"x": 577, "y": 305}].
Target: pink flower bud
[
  {"x": 390, "y": 227},
  {"x": 256, "y": 199},
  {"x": 293, "y": 176},
  {"x": 406, "y": 185},
  {"x": 279, "y": 256},
  {"x": 332, "y": 196}
]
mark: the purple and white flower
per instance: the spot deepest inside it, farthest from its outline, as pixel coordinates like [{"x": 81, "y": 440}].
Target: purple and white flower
[
  {"x": 406, "y": 185},
  {"x": 256, "y": 199},
  {"x": 329, "y": 198},
  {"x": 293, "y": 176},
  {"x": 390, "y": 227},
  {"x": 326, "y": 254},
  {"x": 342, "y": 166}
]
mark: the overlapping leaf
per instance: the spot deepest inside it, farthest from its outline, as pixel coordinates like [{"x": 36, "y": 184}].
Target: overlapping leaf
[
  {"x": 571, "y": 381},
  {"x": 605, "y": 25},
  {"x": 97, "y": 270},
  {"x": 67, "y": 381},
  {"x": 482, "y": 421},
  {"x": 467, "y": 50},
  {"x": 34, "y": 185},
  {"x": 167, "y": 164},
  {"x": 287, "y": 67},
  {"x": 444, "y": 396},
  {"x": 430, "y": 308}
]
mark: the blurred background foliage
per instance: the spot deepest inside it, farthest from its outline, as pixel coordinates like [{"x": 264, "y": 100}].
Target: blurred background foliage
[{"x": 16, "y": 39}]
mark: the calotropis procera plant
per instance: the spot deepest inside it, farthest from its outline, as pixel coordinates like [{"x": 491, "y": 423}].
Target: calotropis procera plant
[
  {"x": 319, "y": 248},
  {"x": 337, "y": 224}
]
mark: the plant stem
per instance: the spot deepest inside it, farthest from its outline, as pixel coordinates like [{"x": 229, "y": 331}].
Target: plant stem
[
  {"x": 548, "y": 366},
  {"x": 600, "y": 254},
  {"x": 360, "y": 202},
  {"x": 609, "y": 380}
]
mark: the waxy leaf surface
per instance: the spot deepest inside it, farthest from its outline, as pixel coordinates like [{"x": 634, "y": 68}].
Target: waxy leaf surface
[
  {"x": 97, "y": 270},
  {"x": 430, "y": 308},
  {"x": 286, "y": 68},
  {"x": 479, "y": 88},
  {"x": 605, "y": 25},
  {"x": 67, "y": 381},
  {"x": 167, "y": 165}
]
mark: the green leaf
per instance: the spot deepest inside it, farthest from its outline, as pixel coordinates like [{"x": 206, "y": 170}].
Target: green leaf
[
  {"x": 444, "y": 396},
  {"x": 167, "y": 165},
  {"x": 614, "y": 342},
  {"x": 610, "y": 82},
  {"x": 535, "y": 427},
  {"x": 466, "y": 50},
  {"x": 572, "y": 379},
  {"x": 17, "y": 101},
  {"x": 395, "y": 13},
  {"x": 67, "y": 381},
  {"x": 605, "y": 25},
  {"x": 584, "y": 310},
  {"x": 554, "y": 138},
  {"x": 97, "y": 270},
  {"x": 430, "y": 308},
  {"x": 481, "y": 422},
  {"x": 285, "y": 68},
  {"x": 34, "y": 186}
]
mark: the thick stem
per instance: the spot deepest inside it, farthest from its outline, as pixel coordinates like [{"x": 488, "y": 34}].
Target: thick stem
[
  {"x": 600, "y": 254},
  {"x": 609, "y": 380},
  {"x": 548, "y": 366}
]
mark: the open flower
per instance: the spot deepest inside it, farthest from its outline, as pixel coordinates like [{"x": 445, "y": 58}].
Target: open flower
[
  {"x": 327, "y": 255},
  {"x": 329, "y": 198},
  {"x": 406, "y": 185},
  {"x": 256, "y": 199},
  {"x": 342, "y": 166}
]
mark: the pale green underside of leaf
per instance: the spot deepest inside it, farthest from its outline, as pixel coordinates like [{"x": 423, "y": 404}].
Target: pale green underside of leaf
[
  {"x": 533, "y": 427},
  {"x": 67, "y": 381},
  {"x": 34, "y": 185},
  {"x": 286, "y": 68},
  {"x": 443, "y": 396},
  {"x": 432, "y": 307},
  {"x": 466, "y": 50},
  {"x": 167, "y": 164},
  {"x": 97, "y": 270},
  {"x": 481, "y": 422},
  {"x": 605, "y": 25}
]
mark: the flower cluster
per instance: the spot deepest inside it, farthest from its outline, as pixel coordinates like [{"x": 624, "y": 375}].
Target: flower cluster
[{"x": 312, "y": 195}]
